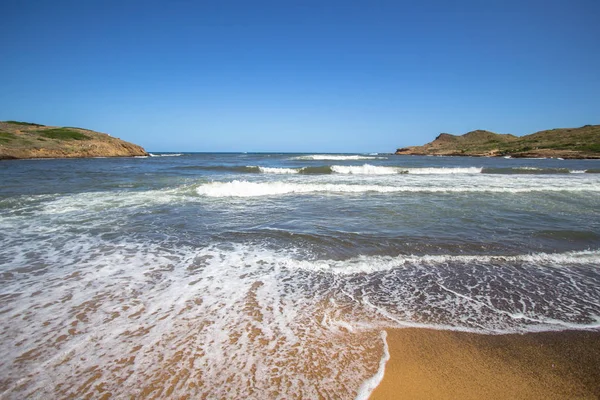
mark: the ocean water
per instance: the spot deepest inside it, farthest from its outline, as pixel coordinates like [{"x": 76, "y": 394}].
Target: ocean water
[{"x": 275, "y": 275}]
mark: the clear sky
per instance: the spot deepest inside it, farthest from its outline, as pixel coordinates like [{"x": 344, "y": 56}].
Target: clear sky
[{"x": 329, "y": 76}]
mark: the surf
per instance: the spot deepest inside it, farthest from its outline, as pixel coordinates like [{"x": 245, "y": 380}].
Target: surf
[{"x": 242, "y": 188}]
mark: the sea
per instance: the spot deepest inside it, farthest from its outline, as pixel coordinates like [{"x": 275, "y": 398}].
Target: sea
[{"x": 239, "y": 275}]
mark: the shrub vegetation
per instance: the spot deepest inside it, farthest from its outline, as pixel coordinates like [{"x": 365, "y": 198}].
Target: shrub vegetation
[
  {"x": 63, "y": 134},
  {"x": 6, "y": 137},
  {"x": 23, "y": 123}
]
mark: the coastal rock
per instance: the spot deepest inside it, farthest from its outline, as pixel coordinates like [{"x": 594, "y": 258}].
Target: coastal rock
[
  {"x": 583, "y": 142},
  {"x": 20, "y": 140}
]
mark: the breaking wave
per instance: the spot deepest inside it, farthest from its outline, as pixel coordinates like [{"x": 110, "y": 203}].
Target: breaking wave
[
  {"x": 444, "y": 170},
  {"x": 336, "y": 157},
  {"x": 530, "y": 171},
  {"x": 155, "y": 284},
  {"x": 239, "y": 188},
  {"x": 369, "y": 169},
  {"x": 273, "y": 170},
  {"x": 366, "y": 169},
  {"x": 165, "y": 155}
]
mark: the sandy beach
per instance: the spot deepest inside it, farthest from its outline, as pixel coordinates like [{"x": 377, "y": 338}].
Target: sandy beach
[
  {"x": 272, "y": 275},
  {"x": 431, "y": 364}
]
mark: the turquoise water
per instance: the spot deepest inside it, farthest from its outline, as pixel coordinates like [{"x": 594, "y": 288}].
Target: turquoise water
[{"x": 245, "y": 275}]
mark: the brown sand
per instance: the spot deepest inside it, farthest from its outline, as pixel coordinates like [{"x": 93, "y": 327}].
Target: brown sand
[{"x": 430, "y": 364}]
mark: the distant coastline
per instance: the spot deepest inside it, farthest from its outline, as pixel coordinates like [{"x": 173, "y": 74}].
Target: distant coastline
[
  {"x": 25, "y": 140},
  {"x": 568, "y": 143}
]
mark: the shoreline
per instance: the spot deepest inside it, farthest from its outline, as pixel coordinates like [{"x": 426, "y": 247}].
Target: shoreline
[
  {"x": 67, "y": 158},
  {"x": 436, "y": 364},
  {"x": 529, "y": 156}
]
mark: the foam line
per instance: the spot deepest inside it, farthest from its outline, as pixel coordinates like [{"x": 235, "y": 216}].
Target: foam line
[
  {"x": 242, "y": 188},
  {"x": 365, "y": 390},
  {"x": 336, "y": 157},
  {"x": 444, "y": 170},
  {"x": 270, "y": 170},
  {"x": 370, "y": 264},
  {"x": 365, "y": 169}
]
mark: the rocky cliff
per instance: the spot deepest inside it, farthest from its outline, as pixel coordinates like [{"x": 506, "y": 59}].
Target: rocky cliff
[
  {"x": 583, "y": 142},
  {"x": 27, "y": 140}
]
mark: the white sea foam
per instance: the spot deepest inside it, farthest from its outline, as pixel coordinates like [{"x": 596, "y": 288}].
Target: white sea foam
[
  {"x": 369, "y": 169},
  {"x": 371, "y": 264},
  {"x": 239, "y": 188},
  {"x": 98, "y": 201},
  {"x": 366, "y": 169},
  {"x": 165, "y": 155},
  {"x": 575, "y": 171},
  {"x": 147, "y": 313},
  {"x": 273, "y": 170},
  {"x": 227, "y": 316},
  {"x": 365, "y": 390},
  {"x": 336, "y": 157},
  {"x": 444, "y": 170},
  {"x": 119, "y": 291}
]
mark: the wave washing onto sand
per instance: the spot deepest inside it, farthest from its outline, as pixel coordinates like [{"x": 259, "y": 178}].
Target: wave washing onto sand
[
  {"x": 131, "y": 317},
  {"x": 161, "y": 321},
  {"x": 128, "y": 279},
  {"x": 237, "y": 188},
  {"x": 365, "y": 390}
]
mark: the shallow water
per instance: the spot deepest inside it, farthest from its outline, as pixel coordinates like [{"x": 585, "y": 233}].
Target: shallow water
[{"x": 272, "y": 275}]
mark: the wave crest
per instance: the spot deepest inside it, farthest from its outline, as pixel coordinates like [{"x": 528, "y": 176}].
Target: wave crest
[
  {"x": 273, "y": 170},
  {"x": 336, "y": 157},
  {"x": 366, "y": 169},
  {"x": 238, "y": 188},
  {"x": 165, "y": 155}
]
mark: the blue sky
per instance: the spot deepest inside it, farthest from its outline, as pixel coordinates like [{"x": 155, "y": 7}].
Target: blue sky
[{"x": 330, "y": 76}]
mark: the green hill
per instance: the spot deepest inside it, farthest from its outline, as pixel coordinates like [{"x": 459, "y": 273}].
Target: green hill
[
  {"x": 29, "y": 140},
  {"x": 583, "y": 142}
]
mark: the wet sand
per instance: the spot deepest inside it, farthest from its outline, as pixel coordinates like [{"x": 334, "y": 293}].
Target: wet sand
[{"x": 430, "y": 364}]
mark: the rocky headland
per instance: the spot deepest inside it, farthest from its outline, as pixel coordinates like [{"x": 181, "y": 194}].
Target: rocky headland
[
  {"x": 28, "y": 140},
  {"x": 583, "y": 142}
]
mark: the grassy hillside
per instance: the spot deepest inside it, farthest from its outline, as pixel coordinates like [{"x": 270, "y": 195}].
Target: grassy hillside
[
  {"x": 583, "y": 142},
  {"x": 29, "y": 140}
]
